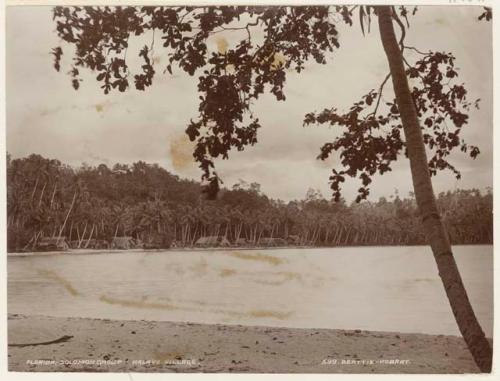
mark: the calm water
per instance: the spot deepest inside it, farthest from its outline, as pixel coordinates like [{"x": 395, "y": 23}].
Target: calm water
[{"x": 376, "y": 288}]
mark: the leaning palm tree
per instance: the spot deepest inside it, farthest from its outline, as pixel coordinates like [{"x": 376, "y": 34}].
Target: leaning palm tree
[{"x": 433, "y": 225}]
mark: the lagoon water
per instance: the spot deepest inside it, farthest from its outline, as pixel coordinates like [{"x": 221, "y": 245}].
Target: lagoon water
[{"x": 374, "y": 288}]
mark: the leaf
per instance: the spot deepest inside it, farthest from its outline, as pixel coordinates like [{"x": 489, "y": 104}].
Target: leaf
[{"x": 57, "y": 53}]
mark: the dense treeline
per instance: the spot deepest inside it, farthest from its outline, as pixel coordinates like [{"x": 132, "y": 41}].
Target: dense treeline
[{"x": 46, "y": 198}]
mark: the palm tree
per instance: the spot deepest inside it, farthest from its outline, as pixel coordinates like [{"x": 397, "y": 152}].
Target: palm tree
[{"x": 426, "y": 201}]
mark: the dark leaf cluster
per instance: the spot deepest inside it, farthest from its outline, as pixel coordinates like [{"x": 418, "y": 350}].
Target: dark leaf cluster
[
  {"x": 229, "y": 80},
  {"x": 370, "y": 137}
]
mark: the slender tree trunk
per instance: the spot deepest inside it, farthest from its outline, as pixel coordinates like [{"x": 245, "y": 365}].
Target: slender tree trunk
[
  {"x": 90, "y": 236},
  {"x": 34, "y": 189},
  {"x": 238, "y": 232},
  {"x": 53, "y": 194},
  {"x": 426, "y": 201},
  {"x": 338, "y": 235},
  {"x": 35, "y": 241},
  {"x": 193, "y": 240},
  {"x": 83, "y": 236},
  {"x": 41, "y": 195},
  {"x": 67, "y": 215},
  {"x": 30, "y": 241},
  {"x": 260, "y": 234},
  {"x": 346, "y": 240}
]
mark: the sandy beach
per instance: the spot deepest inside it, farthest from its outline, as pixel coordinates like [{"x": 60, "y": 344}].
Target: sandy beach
[{"x": 101, "y": 345}]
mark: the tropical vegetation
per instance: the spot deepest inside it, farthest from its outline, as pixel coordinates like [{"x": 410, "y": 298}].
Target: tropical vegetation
[{"x": 46, "y": 198}]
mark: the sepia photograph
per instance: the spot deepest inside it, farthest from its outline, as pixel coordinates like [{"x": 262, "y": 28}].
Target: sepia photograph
[{"x": 286, "y": 188}]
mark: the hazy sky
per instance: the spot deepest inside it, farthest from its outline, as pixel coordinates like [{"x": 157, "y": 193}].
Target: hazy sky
[{"x": 46, "y": 116}]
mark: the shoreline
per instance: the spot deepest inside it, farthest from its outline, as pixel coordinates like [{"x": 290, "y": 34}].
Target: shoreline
[
  {"x": 118, "y": 251},
  {"x": 177, "y": 249},
  {"x": 103, "y": 345}
]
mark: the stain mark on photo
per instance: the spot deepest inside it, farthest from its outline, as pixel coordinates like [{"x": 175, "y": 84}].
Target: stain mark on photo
[
  {"x": 223, "y": 273},
  {"x": 171, "y": 306},
  {"x": 222, "y": 45},
  {"x": 181, "y": 152},
  {"x": 137, "y": 303},
  {"x": 59, "y": 279},
  {"x": 257, "y": 257}
]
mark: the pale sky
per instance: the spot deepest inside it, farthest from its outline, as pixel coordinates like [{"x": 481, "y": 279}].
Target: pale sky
[{"x": 46, "y": 116}]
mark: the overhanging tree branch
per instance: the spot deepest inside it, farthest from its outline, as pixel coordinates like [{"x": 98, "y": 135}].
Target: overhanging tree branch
[{"x": 379, "y": 97}]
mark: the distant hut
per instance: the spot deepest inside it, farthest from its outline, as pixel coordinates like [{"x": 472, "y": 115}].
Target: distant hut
[
  {"x": 73, "y": 244},
  {"x": 155, "y": 241},
  {"x": 91, "y": 244},
  {"x": 102, "y": 244},
  {"x": 224, "y": 242},
  {"x": 212, "y": 241},
  {"x": 293, "y": 239},
  {"x": 52, "y": 244},
  {"x": 122, "y": 243},
  {"x": 99, "y": 244},
  {"x": 137, "y": 243},
  {"x": 241, "y": 242},
  {"x": 206, "y": 241},
  {"x": 272, "y": 242}
]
